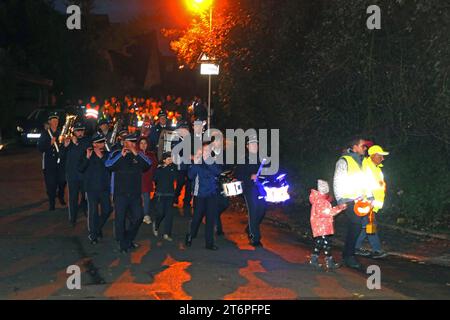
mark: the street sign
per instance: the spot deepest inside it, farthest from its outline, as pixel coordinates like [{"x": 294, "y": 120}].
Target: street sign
[{"x": 209, "y": 69}]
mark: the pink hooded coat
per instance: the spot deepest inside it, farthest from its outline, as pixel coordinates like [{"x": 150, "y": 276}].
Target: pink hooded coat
[{"x": 322, "y": 214}]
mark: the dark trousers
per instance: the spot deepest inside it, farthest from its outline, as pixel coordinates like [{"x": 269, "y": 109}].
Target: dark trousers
[
  {"x": 354, "y": 226},
  {"x": 95, "y": 220},
  {"x": 132, "y": 204},
  {"x": 205, "y": 206},
  {"x": 55, "y": 182},
  {"x": 256, "y": 212},
  {"x": 183, "y": 180},
  {"x": 76, "y": 190},
  {"x": 164, "y": 211},
  {"x": 222, "y": 205},
  {"x": 322, "y": 243}
]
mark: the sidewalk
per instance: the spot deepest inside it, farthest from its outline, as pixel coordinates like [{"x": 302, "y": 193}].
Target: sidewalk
[{"x": 418, "y": 247}]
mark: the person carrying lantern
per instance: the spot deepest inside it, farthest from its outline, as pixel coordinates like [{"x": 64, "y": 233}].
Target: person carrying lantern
[{"x": 375, "y": 182}]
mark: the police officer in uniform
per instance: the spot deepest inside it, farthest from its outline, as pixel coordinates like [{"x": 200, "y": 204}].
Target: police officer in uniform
[
  {"x": 256, "y": 205},
  {"x": 127, "y": 166},
  {"x": 74, "y": 148},
  {"x": 52, "y": 162},
  {"x": 97, "y": 185}
]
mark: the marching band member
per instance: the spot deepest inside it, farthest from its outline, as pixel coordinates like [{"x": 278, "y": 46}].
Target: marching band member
[
  {"x": 204, "y": 173},
  {"x": 372, "y": 167},
  {"x": 182, "y": 172},
  {"x": 348, "y": 186},
  {"x": 218, "y": 153},
  {"x": 147, "y": 178},
  {"x": 165, "y": 176},
  {"x": 157, "y": 129},
  {"x": 247, "y": 173},
  {"x": 96, "y": 184},
  {"x": 74, "y": 148},
  {"x": 52, "y": 164},
  {"x": 127, "y": 166}
]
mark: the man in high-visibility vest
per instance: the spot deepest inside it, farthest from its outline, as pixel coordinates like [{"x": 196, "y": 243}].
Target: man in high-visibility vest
[
  {"x": 348, "y": 185},
  {"x": 375, "y": 182},
  {"x": 92, "y": 114}
]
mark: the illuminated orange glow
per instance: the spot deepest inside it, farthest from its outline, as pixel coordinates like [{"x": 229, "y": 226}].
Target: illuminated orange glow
[
  {"x": 257, "y": 289},
  {"x": 136, "y": 257},
  {"x": 168, "y": 284},
  {"x": 47, "y": 290}
]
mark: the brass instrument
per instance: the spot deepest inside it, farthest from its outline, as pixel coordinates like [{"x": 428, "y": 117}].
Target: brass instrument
[
  {"x": 112, "y": 140},
  {"x": 67, "y": 130}
]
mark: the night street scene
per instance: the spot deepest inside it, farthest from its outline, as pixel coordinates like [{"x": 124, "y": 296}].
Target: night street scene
[{"x": 225, "y": 155}]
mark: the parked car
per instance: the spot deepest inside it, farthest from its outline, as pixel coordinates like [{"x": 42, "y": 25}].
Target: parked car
[{"x": 31, "y": 127}]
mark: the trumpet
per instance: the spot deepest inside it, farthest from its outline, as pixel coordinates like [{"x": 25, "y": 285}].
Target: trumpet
[{"x": 67, "y": 130}]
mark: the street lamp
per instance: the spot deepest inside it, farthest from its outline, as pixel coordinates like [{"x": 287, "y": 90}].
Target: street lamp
[{"x": 201, "y": 6}]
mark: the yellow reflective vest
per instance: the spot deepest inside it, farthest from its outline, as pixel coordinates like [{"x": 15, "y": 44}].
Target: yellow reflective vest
[
  {"x": 374, "y": 182},
  {"x": 355, "y": 180}
]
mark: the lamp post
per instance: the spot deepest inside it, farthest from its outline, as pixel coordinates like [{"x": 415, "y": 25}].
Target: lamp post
[{"x": 201, "y": 5}]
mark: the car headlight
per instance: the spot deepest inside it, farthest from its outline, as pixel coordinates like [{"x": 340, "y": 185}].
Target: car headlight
[{"x": 19, "y": 129}]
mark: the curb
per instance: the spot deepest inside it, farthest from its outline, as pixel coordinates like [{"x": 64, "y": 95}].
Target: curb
[{"x": 417, "y": 233}]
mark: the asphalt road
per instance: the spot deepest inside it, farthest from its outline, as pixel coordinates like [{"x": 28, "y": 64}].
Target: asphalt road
[{"x": 37, "y": 246}]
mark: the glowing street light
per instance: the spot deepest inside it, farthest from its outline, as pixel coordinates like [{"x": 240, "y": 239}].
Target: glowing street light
[{"x": 201, "y": 6}]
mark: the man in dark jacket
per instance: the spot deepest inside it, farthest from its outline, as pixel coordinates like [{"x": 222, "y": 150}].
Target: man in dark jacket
[
  {"x": 127, "y": 166},
  {"x": 74, "y": 148},
  {"x": 52, "y": 162},
  {"x": 256, "y": 205},
  {"x": 204, "y": 173},
  {"x": 96, "y": 184}
]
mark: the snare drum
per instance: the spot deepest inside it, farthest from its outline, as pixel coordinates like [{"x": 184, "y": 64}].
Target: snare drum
[{"x": 232, "y": 188}]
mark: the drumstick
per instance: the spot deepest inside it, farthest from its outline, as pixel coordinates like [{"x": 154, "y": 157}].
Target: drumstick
[{"x": 260, "y": 167}]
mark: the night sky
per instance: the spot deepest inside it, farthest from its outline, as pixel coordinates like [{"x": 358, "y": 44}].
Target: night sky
[{"x": 163, "y": 13}]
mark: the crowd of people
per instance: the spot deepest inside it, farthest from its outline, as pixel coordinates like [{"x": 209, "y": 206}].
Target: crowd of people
[
  {"x": 130, "y": 176},
  {"x": 118, "y": 166}
]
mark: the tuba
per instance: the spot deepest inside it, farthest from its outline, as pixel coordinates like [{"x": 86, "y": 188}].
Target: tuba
[{"x": 67, "y": 129}]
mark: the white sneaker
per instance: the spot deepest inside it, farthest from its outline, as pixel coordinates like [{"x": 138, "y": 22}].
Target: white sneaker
[
  {"x": 147, "y": 220},
  {"x": 166, "y": 237},
  {"x": 155, "y": 231}
]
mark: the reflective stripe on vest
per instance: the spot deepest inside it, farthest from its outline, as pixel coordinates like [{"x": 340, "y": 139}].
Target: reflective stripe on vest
[{"x": 91, "y": 114}]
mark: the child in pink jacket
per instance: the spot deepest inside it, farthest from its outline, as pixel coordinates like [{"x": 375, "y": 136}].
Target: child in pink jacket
[{"x": 322, "y": 215}]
